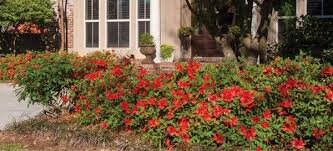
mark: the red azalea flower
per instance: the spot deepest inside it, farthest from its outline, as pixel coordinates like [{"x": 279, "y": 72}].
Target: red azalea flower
[
  {"x": 203, "y": 112},
  {"x": 289, "y": 125},
  {"x": 246, "y": 99},
  {"x": 157, "y": 83},
  {"x": 77, "y": 108},
  {"x": 176, "y": 104},
  {"x": 125, "y": 107},
  {"x": 141, "y": 104},
  {"x": 99, "y": 63},
  {"x": 153, "y": 123},
  {"x": 331, "y": 128},
  {"x": 113, "y": 96},
  {"x": 268, "y": 89},
  {"x": 142, "y": 72},
  {"x": 258, "y": 149},
  {"x": 179, "y": 67},
  {"x": 203, "y": 88},
  {"x": 267, "y": 114},
  {"x": 171, "y": 130},
  {"x": 297, "y": 143},
  {"x": 185, "y": 138},
  {"x": 327, "y": 72},
  {"x": 233, "y": 121},
  {"x": 128, "y": 122},
  {"x": 104, "y": 125},
  {"x": 142, "y": 84},
  {"x": 249, "y": 134},
  {"x": 286, "y": 103},
  {"x": 97, "y": 110},
  {"x": 183, "y": 84},
  {"x": 184, "y": 125},
  {"x": 318, "y": 133},
  {"x": 93, "y": 76},
  {"x": 116, "y": 71},
  {"x": 264, "y": 125},
  {"x": 168, "y": 144},
  {"x": 162, "y": 104},
  {"x": 317, "y": 89},
  {"x": 267, "y": 70},
  {"x": 218, "y": 138},
  {"x": 255, "y": 119},
  {"x": 218, "y": 111},
  {"x": 151, "y": 101},
  {"x": 64, "y": 99},
  {"x": 212, "y": 98},
  {"x": 170, "y": 115},
  {"x": 229, "y": 94},
  {"x": 206, "y": 78}
]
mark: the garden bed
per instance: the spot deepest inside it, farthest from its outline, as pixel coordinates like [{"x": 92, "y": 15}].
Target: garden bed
[{"x": 285, "y": 104}]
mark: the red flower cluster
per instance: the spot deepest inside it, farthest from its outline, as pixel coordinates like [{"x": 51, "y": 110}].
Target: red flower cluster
[
  {"x": 113, "y": 96},
  {"x": 289, "y": 125},
  {"x": 327, "y": 72},
  {"x": 116, "y": 71},
  {"x": 93, "y": 76},
  {"x": 218, "y": 138},
  {"x": 297, "y": 143},
  {"x": 203, "y": 112},
  {"x": 100, "y": 63},
  {"x": 248, "y": 134},
  {"x": 318, "y": 133}
]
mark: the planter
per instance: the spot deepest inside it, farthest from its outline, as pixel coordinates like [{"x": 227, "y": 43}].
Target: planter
[
  {"x": 150, "y": 52},
  {"x": 205, "y": 46},
  {"x": 169, "y": 59},
  {"x": 185, "y": 42}
]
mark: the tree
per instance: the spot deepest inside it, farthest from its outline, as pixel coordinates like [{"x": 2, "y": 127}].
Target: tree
[
  {"x": 14, "y": 13},
  {"x": 254, "y": 17}
]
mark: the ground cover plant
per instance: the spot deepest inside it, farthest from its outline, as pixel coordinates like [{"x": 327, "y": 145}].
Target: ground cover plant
[{"x": 286, "y": 104}]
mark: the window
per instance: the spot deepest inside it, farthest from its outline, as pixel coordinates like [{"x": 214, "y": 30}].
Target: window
[
  {"x": 92, "y": 23},
  {"x": 143, "y": 17},
  {"x": 287, "y": 15},
  {"x": 118, "y": 23},
  {"x": 320, "y": 8}
]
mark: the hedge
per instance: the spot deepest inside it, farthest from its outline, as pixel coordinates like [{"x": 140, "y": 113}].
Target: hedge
[{"x": 286, "y": 104}]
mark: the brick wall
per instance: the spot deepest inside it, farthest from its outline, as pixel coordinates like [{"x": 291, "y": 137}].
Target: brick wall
[{"x": 70, "y": 26}]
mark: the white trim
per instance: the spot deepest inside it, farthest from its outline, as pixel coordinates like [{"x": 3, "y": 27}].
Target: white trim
[
  {"x": 91, "y": 21},
  {"x": 118, "y": 20},
  {"x": 155, "y": 26},
  {"x": 137, "y": 22}
]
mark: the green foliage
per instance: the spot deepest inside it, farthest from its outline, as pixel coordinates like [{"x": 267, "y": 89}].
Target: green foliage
[
  {"x": 45, "y": 79},
  {"x": 315, "y": 37},
  {"x": 166, "y": 51},
  {"x": 146, "y": 40},
  {"x": 185, "y": 31},
  {"x": 14, "y": 12}
]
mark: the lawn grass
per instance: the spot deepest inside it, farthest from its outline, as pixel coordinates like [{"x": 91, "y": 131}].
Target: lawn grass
[{"x": 11, "y": 147}]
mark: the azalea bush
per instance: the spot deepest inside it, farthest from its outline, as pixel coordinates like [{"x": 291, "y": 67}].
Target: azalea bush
[{"x": 286, "y": 104}]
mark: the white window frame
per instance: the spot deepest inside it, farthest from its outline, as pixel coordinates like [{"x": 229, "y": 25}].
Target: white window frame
[
  {"x": 322, "y": 16},
  {"x": 118, "y": 21},
  {"x": 92, "y": 21},
  {"x": 138, "y": 20}
]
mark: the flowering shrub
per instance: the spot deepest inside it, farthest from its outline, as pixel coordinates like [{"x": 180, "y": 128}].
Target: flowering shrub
[{"x": 285, "y": 104}]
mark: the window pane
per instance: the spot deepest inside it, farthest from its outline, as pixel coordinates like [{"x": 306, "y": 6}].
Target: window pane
[
  {"x": 123, "y": 34},
  {"x": 144, "y": 27},
  {"x": 141, "y": 9},
  {"x": 314, "y": 7},
  {"x": 113, "y": 34},
  {"x": 88, "y": 35},
  {"x": 328, "y": 7},
  {"x": 95, "y": 34},
  {"x": 147, "y": 9},
  {"x": 88, "y": 9},
  {"x": 123, "y": 9},
  {"x": 95, "y": 9},
  {"x": 112, "y": 9}
]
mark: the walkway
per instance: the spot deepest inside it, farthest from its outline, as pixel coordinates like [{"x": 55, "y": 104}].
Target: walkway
[{"x": 12, "y": 110}]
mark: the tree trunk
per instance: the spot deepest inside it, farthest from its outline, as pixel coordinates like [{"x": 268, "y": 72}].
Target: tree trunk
[
  {"x": 14, "y": 43},
  {"x": 61, "y": 24}
]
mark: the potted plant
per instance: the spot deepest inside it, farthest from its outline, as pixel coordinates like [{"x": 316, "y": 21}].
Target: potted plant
[
  {"x": 184, "y": 34},
  {"x": 147, "y": 47},
  {"x": 167, "y": 53}
]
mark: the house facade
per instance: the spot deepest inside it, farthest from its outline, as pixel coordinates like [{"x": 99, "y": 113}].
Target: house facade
[{"x": 116, "y": 24}]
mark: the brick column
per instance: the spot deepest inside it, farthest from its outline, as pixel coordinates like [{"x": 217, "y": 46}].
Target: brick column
[{"x": 70, "y": 27}]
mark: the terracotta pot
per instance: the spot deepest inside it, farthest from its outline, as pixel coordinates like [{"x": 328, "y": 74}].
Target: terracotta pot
[
  {"x": 205, "y": 46},
  {"x": 149, "y": 51}
]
